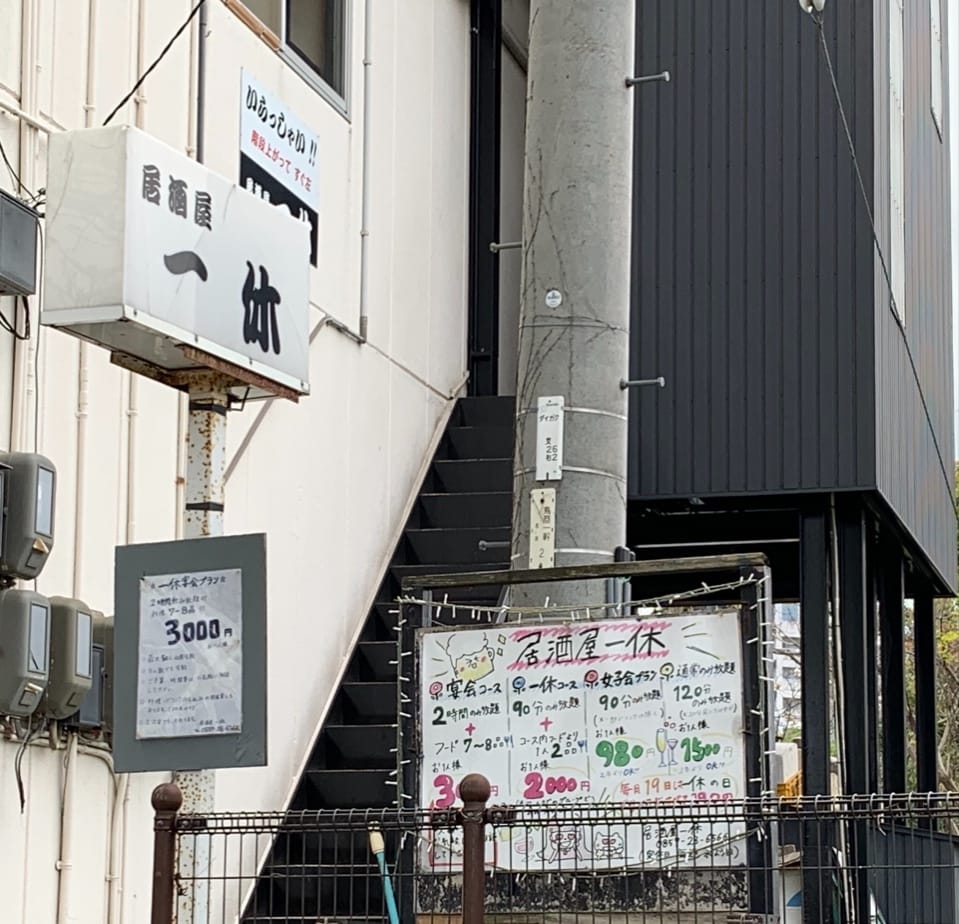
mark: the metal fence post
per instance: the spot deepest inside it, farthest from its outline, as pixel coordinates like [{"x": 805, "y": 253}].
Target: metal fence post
[
  {"x": 474, "y": 791},
  {"x": 166, "y": 801}
]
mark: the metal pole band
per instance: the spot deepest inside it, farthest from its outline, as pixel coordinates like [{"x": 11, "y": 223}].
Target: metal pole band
[{"x": 210, "y": 407}]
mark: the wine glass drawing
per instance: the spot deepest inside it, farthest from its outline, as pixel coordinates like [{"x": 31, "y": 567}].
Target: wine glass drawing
[
  {"x": 672, "y": 742},
  {"x": 661, "y": 745}
]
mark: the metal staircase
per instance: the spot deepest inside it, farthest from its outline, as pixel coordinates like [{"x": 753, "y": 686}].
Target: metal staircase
[{"x": 464, "y": 503}]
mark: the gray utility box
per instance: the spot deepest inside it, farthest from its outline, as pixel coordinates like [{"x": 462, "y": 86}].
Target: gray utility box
[
  {"x": 24, "y": 650},
  {"x": 29, "y": 494},
  {"x": 96, "y": 710},
  {"x": 18, "y": 247},
  {"x": 71, "y": 657}
]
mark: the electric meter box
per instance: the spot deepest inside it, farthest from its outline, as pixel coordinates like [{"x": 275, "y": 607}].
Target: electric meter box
[
  {"x": 27, "y": 539},
  {"x": 71, "y": 657},
  {"x": 24, "y": 650},
  {"x": 96, "y": 710},
  {"x": 19, "y": 226},
  {"x": 103, "y": 637},
  {"x": 90, "y": 713}
]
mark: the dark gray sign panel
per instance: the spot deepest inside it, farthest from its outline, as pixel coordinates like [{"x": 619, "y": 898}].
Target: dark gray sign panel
[{"x": 190, "y": 654}]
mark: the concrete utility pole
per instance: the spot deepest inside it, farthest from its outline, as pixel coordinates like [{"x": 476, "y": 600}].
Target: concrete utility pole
[{"x": 574, "y": 315}]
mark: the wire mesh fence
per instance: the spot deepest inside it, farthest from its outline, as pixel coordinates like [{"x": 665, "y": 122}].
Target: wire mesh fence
[{"x": 864, "y": 860}]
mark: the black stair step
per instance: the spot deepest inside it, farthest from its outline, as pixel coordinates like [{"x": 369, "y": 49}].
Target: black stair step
[
  {"x": 484, "y": 594},
  {"x": 471, "y": 475},
  {"x": 480, "y": 442},
  {"x": 340, "y": 893},
  {"x": 364, "y": 746},
  {"x": 465, "y": 597},
  {"x": 353, "y": 789},
  {"x": 371, "y": 703},
  {"x": 487, "y": 508},
  {"x": 387, "y": 612},
  {"x": 461, "y": 545},
  {"x": 398, "y": 573},
  {"x": 351, "y": 900},
  {"x": 380, "y": 658},
  {"x": 292, "y": 917},
  {"x": 496, "y": 411},
  {"x": 403, "y": 571},
  {"x": 347, "y": 844}
]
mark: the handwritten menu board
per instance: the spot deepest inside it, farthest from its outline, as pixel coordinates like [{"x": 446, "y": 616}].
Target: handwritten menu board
[
  {"x": 190, "y": 670},
  {"x": 645, "y": 711}
]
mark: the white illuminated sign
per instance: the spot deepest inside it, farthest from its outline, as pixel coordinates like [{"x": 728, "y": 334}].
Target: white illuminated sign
[{"x": 148, "y": 250}]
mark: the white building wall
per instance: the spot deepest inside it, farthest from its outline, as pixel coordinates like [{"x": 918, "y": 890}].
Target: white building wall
[{"x": 329, "y": 480}]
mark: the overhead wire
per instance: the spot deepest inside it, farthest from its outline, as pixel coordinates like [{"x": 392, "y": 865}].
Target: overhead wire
[
  {"x": 32, "y": 732},
  {"x": 11, "y": 326},
  {"x": 893, "y": 308},
  {"x": 157, "y": 60}
]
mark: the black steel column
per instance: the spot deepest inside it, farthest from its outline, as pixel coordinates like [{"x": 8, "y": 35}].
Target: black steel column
[
  {"x": 893, "y": 670},
  {"x": 927, "y": 779},
  {"x": 814, "y": 651},
  {"x": 852, "y": 625},
  {"x": 814, "y": 647},
  {"x": 872, "y": 698},
  {"x": 485, "y": 97}
]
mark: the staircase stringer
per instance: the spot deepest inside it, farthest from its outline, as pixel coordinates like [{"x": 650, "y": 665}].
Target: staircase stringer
[{"x": 396, "y": 537}]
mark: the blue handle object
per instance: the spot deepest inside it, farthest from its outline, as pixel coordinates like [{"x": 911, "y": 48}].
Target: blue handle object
[{"x": 379, "y": 851}]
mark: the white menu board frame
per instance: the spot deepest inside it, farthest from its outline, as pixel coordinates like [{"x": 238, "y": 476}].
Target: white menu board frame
[{"x": 581, "y": 714}]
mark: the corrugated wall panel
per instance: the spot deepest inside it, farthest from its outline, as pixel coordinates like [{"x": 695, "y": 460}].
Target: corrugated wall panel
[
  {"x": 748, "y": 237},
  {"x": 910, "y": 473},
  {"x": 756, "y": 290}
]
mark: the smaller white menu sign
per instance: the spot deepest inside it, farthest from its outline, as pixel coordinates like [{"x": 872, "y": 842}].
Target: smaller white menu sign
[
  {"x": 190, "y": 666},
  {"x": 282, "y": 144}
]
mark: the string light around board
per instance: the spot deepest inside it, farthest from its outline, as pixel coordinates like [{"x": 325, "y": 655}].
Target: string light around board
[
  {"x": 503, "y": 613},
  {"x": 576, "y": 613}
]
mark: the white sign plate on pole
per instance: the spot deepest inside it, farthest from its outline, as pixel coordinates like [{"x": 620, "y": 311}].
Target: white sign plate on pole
[
  {"x": 549, "y": 438},
  {"x": 279, "y": 156},
  {"x": 577, "y": 714},
  {"x": 542, "y": 527},
  {"x": 190, "y": 659},
  {"x": 274, "y": 138},
  {"x": 149, "y": 251}
]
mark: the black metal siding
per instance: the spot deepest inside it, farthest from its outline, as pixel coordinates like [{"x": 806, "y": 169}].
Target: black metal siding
[
  {"x": 751, "y": 292},
  {"x": 910, "y": 475},
  {"x": 755, "y": 286}
]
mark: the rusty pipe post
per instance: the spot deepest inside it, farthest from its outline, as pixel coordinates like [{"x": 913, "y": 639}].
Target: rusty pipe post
[
  {"x": 475, "y": 791},
  {"x": 166, "y": 801},
  {"x": 205, "y": 481}
]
